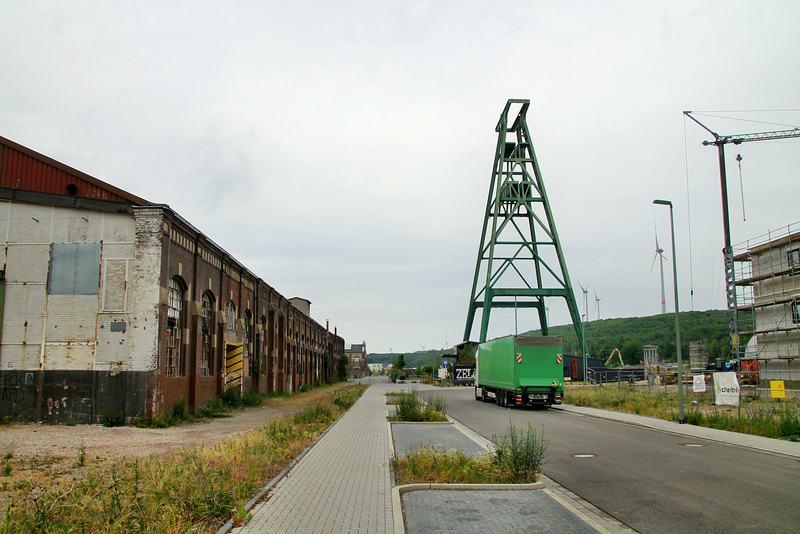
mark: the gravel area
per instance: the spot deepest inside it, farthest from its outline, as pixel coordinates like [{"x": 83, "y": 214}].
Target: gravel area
[
  {"x": 37, "y": 455},
  {"x": 29, "y": 440}
]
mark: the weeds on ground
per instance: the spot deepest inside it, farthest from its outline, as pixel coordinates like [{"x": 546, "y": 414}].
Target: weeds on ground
[
  {"x": 111, "y": 419},
  {"x": 174, "y": 416},
  {"x": 774, "y": 422},
  {"x": 345, "y": 398},
  {"x": 410, "y": 407},
  {"x": 518, "y": 458},
  {"x": 752, "y": 417},
  {"x": 429, "y": 465},
  {"x": 194, "y": 490},
  {"x": 519, "y": 455}
]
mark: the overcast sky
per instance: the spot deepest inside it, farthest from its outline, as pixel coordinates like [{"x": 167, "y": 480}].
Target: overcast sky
[{"x": 343, "y": 150}]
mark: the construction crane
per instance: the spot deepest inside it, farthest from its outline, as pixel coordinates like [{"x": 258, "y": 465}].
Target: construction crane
[{"x": 730, "y": 280}]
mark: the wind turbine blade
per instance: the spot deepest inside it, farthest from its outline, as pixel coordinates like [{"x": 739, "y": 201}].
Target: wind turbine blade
[
  {"x": 655, "y": 232},
  {"x": 654, "y": 262}
]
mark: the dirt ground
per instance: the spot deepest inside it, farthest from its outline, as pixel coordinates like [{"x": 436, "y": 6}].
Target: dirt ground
[
  {"x": 24, "y": 441},
  {"x": 38, "y": 453}
]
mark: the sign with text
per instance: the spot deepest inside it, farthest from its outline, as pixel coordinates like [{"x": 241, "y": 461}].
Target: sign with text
[
  {"x": 463, "y": 374},
  {"x": 726, "y": 389}
]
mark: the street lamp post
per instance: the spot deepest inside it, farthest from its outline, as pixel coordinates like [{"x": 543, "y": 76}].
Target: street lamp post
[{"x": 677, "y": 317}]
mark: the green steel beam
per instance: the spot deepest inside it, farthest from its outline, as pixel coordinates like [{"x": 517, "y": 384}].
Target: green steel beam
[{"x": 519, "y": 254}]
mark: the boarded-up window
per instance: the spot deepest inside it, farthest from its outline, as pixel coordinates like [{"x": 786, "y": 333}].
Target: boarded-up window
[
  {"x": 74, "y": 269},
  {"x": 115, "y": 284}
]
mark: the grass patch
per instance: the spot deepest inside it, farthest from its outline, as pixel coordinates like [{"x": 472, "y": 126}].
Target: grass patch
[
  {"x": 518, "y": 458},
  {"x": 191, "y": 490},
  {"x": 755, "y": 417},
  {"x": 410, "y": 407}
]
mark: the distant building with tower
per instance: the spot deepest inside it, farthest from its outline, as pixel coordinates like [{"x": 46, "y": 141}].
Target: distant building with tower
[{"x": 357, "y": 355}]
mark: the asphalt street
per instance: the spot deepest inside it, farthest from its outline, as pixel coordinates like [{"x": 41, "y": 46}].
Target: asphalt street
[{"x": 653, "y": 481}]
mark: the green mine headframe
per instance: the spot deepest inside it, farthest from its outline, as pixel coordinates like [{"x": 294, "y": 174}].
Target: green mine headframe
[{"x": 520, "y": 261}]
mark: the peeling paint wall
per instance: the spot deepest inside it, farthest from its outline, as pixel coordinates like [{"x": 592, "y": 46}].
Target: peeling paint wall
[{"x": 64, "y": 331}]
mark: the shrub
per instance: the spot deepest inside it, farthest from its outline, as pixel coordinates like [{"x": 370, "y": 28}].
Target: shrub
[
  {"x": 232, "y": 397},
  {"x": 110, "y": 418},
  {"x": 174, "y": 416},
  {"x": 437, "y": 403},
  {"x": 410, "y": 407},
  {"x": 250, "y": 398},
  {"x": 214, "y": 408},
  {"x": 519, "y": 455}
]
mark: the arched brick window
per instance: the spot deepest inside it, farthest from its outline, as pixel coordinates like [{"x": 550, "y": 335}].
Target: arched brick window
[
  {"x": 248, "y": 335},
  {"x": 230, "y": 316},
  {"x": 206, "y": 327},
  {"x": 174, "y": 328}
]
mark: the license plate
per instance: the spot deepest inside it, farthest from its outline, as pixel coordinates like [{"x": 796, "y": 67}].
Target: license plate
[{"x": 537, "y": 396}]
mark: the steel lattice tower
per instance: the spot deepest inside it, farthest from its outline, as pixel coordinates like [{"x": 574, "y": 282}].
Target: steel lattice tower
[{"x": 520, "y": 262}]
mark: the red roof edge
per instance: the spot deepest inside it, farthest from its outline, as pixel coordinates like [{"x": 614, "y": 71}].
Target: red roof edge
[{"x": 133, "y": 199}]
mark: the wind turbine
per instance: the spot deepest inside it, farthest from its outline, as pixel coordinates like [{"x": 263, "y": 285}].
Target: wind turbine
[
  {"x": 660, "y": 253},
  {"x": 585, "y": 300},
  {"x": 586, "y": 313},
  {"x": 597, "y": 303}
]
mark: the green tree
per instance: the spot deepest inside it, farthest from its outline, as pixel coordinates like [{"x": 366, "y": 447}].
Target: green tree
[
  {"x": 400, "y": 363},
  {"x": 343, "y": 361},
  {"x": 632, "y": 352}
]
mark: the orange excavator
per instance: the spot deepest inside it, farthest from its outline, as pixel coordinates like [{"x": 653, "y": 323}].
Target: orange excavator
[{"x": 619, "y": 357}]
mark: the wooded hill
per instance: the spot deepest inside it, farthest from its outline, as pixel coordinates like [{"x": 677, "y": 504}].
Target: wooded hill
[{"x": 629, "y": 335}]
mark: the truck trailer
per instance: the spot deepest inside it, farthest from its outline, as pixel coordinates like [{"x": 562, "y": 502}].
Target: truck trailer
[{"x": 520, "y": 371}]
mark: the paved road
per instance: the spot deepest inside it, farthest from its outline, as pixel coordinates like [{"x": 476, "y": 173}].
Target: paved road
[{"x": 651, "y": 480}]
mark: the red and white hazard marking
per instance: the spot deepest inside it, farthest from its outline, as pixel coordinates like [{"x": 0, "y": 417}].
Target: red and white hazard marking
[
  {"x": 559, "y": 358},
  {"x": 519, "y": 357}
]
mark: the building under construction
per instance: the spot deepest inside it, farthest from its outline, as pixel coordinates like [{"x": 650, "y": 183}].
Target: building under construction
[{"x": 768, "y": 273}]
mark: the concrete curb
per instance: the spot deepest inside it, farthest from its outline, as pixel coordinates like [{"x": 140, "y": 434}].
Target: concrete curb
[{"x": 398, "y": 491}]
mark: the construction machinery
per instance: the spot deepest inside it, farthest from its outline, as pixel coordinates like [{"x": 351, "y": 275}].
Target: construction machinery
[{"x": 619, "y": 357}]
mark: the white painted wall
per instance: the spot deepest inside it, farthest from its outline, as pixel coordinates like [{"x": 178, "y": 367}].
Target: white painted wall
[{"x": 67, "y": 332}]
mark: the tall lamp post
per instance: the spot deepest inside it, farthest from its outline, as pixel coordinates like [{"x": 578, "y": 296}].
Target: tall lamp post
[{"x": 677, "y": 317}]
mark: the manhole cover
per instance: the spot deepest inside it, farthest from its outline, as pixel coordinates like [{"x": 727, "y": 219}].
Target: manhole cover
[{"x": 583, "y": 455}]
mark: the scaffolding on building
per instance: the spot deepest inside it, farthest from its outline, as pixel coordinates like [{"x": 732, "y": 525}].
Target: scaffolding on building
[{"x": 768, "y": 273}]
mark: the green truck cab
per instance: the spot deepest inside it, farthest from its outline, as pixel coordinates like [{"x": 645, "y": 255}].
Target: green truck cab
[{"x": 520, "y": 371}]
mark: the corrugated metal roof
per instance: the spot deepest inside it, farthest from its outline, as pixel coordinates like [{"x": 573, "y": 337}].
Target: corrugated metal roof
[{"x": 26, "y": 169}]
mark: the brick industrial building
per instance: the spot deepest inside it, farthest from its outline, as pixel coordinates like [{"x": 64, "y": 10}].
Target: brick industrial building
[{"x": 112, "y": 303}]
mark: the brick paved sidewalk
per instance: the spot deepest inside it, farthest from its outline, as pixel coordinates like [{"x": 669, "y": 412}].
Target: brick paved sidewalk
[{"x": 343, "y": 483}]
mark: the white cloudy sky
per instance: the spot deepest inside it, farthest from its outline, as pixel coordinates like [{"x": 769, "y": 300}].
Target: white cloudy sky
[{"x": 342, "y": 150}]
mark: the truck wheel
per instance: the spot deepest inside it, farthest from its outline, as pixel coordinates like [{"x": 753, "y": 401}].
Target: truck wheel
[
  {"x": 477, "y": 397},
  {"x": 501, "y": 399}
]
